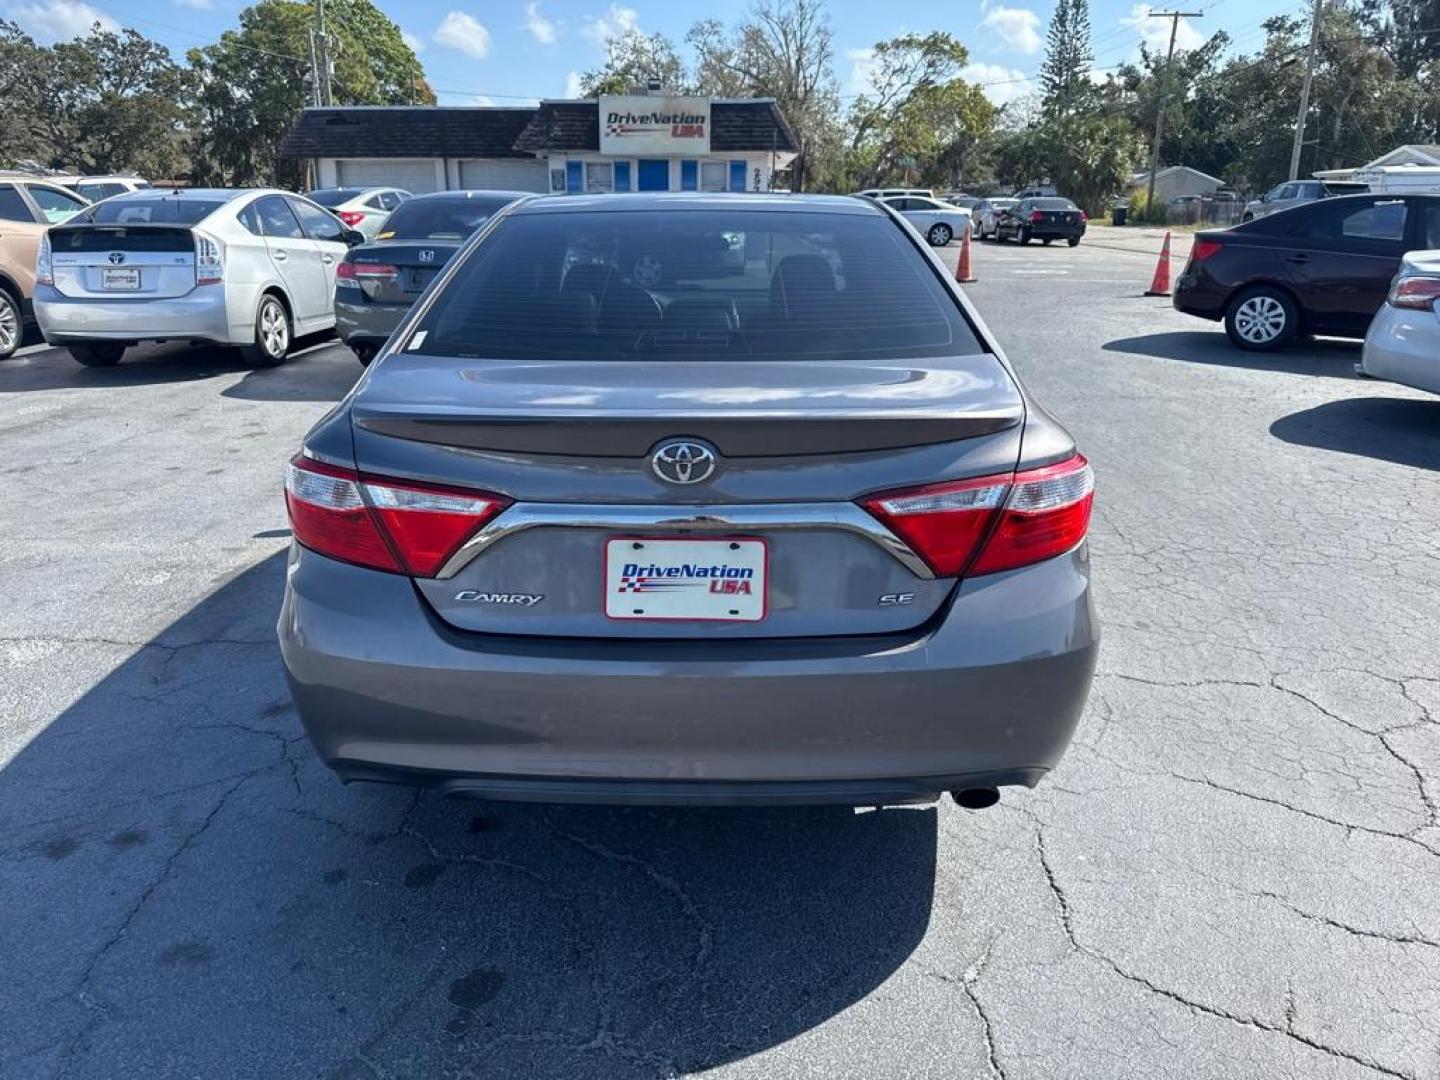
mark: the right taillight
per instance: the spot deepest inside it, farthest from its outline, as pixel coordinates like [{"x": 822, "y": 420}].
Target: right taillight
[
  {"x": 393, "y": 525},
  {"x": 1420, "y": 293},
  {"x": 351, "y": 217},
  {"x": 992, "y": 523},
  {"x": 1203, "y": 249}
]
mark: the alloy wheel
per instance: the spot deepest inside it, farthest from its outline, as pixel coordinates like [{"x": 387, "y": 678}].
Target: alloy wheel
[
  {"x": 9, "y": 325},
  {"x": 274, "y": 330},
  {"x": 1260, "y": 319}
]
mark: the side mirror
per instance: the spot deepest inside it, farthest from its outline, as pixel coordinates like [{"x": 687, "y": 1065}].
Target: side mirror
[{"x": 353, "y": 237}]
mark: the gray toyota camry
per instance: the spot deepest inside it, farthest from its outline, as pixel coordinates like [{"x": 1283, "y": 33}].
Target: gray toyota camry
[{"x": 691, "y": 499}]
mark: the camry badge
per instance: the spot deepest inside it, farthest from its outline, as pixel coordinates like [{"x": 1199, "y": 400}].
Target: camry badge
[{"x": 680, "y": 461}]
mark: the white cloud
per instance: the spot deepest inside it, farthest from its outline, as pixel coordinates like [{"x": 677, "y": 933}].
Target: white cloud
[
  {"x": 1000, "y": 84},
  {"x": 617, "y": 22},
  {"x": 1017, "y": 28},
  {"x": 198, "y": 5},
  {"x": 862, "y": 70},
  {"x": 464, "y": 33},
  {"x": 58, "y": 20},
  {"x": 481, "y": 99},
  {"x": 416, "y": 45},
  {"x": 573, "y": 88},
  {"x": 541, "y": 29},
  {"x": 1155, "y": 33}
]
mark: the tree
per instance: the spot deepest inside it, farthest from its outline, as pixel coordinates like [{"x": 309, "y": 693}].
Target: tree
[
  {"x": 22, "y": 71},
  {"x": 634, "y": 59},
  {"x": 254, "y": 80},
  {"x": 1065, "y": 74},
  {"x": 782, "y": 51}
]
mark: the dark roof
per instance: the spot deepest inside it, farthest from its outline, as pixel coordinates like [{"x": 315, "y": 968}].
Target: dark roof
[
  {"x": 703, "y": 200},
  {"x": 404, "y": 131},
  {"x": 428, "y": 131}
]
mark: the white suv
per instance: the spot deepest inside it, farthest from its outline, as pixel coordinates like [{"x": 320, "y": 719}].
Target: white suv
[{"x": 252, "y": 268}]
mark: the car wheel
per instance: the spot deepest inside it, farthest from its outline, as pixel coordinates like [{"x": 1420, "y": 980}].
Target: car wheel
[
  {"x": 272, "y": 334},
  {"x": 939, "y": 235},
  {"x": 1261, "y": 319},
  {"x": 98, "y": 353},
  {"x": 12, "y": 328},
  {"x": 1074, "y": 241},
  {"x": 1247, "y": 217},
  {"x": 1024, "y": 236},
  {"x": 364, "y": 353}
]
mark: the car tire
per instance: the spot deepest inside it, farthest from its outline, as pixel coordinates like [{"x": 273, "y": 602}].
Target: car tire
[
  {"x": 1023, "y": 236},
  {"x": 1262, "y": 319},
  {"x": 939, "y": 235},
  {"x": 12, "y": 326},
  {"x": 364, "y": 353},
  {"x": 273, "y": 334},
  {"x": 1247, "y": 217},
  {"x": 97, "y": 353},
  {"x": 1074, "y": 241}
]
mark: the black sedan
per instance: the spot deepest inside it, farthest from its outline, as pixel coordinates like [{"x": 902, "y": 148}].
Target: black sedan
[
  {"x": 1045, "y": 219},
  {"x": 1321, "y": 268},
  {"x": 376, "y": 283}
]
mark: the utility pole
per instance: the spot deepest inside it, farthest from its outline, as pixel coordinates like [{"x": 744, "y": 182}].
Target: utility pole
[
  {"x": 1305, "y": 91},
  {"x": 1174, "y": 17},
  {"x": 320, "y": 56}
]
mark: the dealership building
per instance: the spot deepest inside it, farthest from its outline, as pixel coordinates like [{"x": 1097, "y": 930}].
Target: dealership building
[{"x": 634, "y": 142}]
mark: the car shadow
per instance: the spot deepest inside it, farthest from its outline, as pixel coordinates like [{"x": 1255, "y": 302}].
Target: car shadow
[
  {"x": 1326, "y": 357},
  {"x": 1401, "y": 430},
  {"x": 189, "y": 892},
  {"x": 318, "y": 370}
]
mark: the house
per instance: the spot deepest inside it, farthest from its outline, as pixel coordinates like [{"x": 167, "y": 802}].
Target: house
[
  {"x": 642, "y": 141},
  {"x": 1174, "y": 180},
  {"x": 1410, "y": 154}
]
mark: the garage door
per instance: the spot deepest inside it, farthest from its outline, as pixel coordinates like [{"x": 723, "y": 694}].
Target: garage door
[
  {"x": 504, "y": 176},
  {"x": 415, "y": 176}
]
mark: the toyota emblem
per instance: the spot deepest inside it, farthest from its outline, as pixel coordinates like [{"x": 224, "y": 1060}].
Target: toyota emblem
[
  {"x": 117, "y": 257},
  {"x": 680, "y": 461}
]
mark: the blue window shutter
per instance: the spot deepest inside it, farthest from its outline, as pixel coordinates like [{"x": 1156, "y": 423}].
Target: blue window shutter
[
  {"x": 689, "y": 176},
  {"x": 574, "y": 176},
  {"x": 622, "y": 176},
  {"x": 737, "y": 176}
]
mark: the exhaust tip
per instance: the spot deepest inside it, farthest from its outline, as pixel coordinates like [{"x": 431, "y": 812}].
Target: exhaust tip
[{"x": 980, "y": 798}]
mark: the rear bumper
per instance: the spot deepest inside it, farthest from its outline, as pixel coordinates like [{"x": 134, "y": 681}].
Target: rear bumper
[
  {"x": 368, "y": 324},
  {"x": 989, "y": 693},
  {"x": 1056, "y": 232},
  {"x": 1196, "y": 297},
  {"x": 199, "y": 315},
  {"x": 1403, "y": 346}
]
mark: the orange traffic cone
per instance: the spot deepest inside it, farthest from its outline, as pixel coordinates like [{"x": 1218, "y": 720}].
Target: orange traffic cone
[
  {"x": 1160, "y": 283},
  {"x": 962, "y": 268}
]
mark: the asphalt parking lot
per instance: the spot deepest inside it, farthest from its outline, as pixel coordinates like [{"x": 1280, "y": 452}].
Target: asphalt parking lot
[{"x": 1235, "y": 873}]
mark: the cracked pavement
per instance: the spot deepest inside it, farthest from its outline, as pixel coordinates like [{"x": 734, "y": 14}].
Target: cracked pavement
[{"x": 1235, "y": 872}]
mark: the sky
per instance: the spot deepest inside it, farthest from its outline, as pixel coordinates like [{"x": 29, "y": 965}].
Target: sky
[{"x": 508, "y": 52}]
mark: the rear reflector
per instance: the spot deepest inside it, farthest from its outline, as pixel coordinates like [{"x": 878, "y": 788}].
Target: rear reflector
[
  {"x": 1203, "y": 249},
  {"x": 992, "y": 523},
  {"x": 393, "y": 525},
  {"x": 1420, "y": 293}
]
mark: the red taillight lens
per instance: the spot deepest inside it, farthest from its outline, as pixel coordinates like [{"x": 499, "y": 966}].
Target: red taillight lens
[
  {"x": 1037, "y": 216},
  {"x": 1203, "y": 249},
  {"x": 992, "y": 523},
  {"x": 1420, "y": 293},
  {"x": 1084, "y": 216},
  {"x": 392, "y": 525},
  {"x": 351, "y": 217}
]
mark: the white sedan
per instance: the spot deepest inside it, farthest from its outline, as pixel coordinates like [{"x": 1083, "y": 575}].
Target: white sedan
[
  {"x": 939, "y": 222},
  {"x": 1403, "y": 344}
]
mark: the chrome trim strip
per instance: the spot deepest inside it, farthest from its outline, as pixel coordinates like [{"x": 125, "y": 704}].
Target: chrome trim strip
[{"x": 763, "y": 517}]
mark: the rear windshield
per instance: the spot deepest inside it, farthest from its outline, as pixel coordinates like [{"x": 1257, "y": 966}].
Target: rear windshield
[
  {"x": 334, "y": 196},
  {"x": 1052, "y": 204},
  {"x": 440, "y": 219},
  {"x": 695, "y": 285},
  {"x": 151, "y": 210}
]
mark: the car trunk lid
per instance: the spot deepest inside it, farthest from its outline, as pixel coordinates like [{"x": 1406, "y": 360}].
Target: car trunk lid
[
  {"x": 123, "y": 261},
  {"x": 573, "y": 444},
  {"x": 396, "y": 272}
]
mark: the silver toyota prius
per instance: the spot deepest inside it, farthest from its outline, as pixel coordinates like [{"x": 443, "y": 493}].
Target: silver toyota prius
[{"x": 694, "y": 499}]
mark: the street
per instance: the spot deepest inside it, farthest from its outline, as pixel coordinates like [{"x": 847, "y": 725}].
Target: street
[{"x": 1234, "y": 873}]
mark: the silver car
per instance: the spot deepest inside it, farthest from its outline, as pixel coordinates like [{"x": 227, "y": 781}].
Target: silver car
[
  {"x": 939, "y": 222},
  {"x": 794, "y": 533},
  {"x": 1403, "y": 344},
  {"x": 987, "y": 214},
  {"x": 1297, "y": 193},
  {"x": 249, "y": 268},
  {"x": 362, "y": 209}
]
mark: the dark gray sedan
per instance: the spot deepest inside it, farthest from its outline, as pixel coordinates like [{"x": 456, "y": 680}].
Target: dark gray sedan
[
  {"x": 377, "y": 282},
  {"x": 779, "y": 526}
]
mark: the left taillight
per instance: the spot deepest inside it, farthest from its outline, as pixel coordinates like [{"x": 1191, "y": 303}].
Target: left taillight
[
  {"x": 1037, "y": 216},
  {"x": 1418, "y": 293},
  {"x": 351, "y": 218},
  {"x": 397, "y": 526},
  {"x": 992, "y": 523},
  {"x": 209, "y": 260},
  {"x": 44, "y": 264}
]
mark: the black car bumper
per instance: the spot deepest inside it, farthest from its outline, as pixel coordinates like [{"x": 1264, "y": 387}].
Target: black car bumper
[{"x": 1199, "y": 296}]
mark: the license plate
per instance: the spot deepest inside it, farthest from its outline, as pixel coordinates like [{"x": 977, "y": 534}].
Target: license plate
[
  {"x": 703, "y": 580},
  {"x": 120, "y": 277}
]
